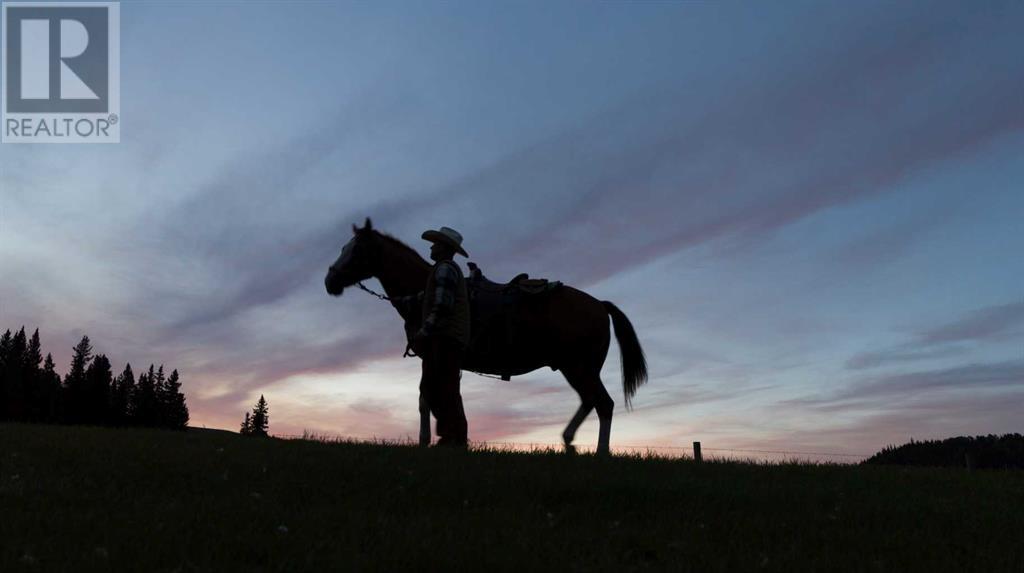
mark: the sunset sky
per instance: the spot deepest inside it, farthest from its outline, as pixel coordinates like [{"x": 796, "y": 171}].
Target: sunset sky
[{"x": 812, "y": 212}]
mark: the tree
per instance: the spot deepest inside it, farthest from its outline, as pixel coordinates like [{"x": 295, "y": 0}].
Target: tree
[
  {"x": 32, "y": 380},
  {"x": 175, "y": 409},
  {"x": 34, "y": 353},
  {"x": 75, "y": 384},
  {"x": 260, "y": 421},
  {"x": 31, "y": 390},
  {"x": 246, "y": 429},
  {"x": 144, "y": 402},
  {"x": 16, "y": 398},
  {"x": 160, "y": 418},
  {"x": 98, "y": 379},
  {"x": 50, "y": 381},
  {"x": 121, "y": 397},
  {"x": 5, "y": 352}
]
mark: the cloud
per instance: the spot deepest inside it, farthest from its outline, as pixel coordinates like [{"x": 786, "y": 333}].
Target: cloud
[
  {"x": 987, "y": 324},
  {"x": 900, "y": 354},
  {"x": 973, "y": 377},
  {"x": 926, "y": 416},
  {"x": 982, "y": 324},
  {"x": 890, "y": 389}
]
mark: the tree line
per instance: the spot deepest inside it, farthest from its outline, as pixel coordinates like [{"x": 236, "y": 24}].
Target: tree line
[
  {"x": 981, "y": 452},
  {"x": 31, "y": 390}
]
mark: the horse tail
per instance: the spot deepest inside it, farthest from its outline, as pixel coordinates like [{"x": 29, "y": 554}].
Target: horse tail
[{"x": 634, "y": 365}]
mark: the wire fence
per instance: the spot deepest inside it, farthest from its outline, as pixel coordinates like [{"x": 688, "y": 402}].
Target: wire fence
[{"x": 682, "y": 452}]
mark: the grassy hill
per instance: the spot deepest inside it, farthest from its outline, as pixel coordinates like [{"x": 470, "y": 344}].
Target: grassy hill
[{"x": 81, "y": 499}]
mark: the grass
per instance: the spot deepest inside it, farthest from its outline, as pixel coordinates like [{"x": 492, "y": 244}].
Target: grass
[{"x": 92, "y": 499}]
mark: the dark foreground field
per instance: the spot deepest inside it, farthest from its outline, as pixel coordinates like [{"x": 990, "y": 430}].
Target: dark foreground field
[{"x": 79, "y": 499}]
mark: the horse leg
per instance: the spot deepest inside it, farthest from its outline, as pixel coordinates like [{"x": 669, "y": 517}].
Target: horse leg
[
  {"x": 604, "y": 405},
  {"x": 587, "y": 383},
  {"x": 574, "y": 424},
  {"x": 577, "y": 379},
  {"x": 424, "y": 421}
]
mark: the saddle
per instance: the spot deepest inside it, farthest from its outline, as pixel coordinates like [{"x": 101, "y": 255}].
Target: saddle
[
  {"x": 493, "y": 315},
  {"x": 521, "y": 283}
]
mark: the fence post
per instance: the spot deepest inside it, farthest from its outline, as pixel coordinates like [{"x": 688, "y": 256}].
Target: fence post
[{"x": 696, "y": 452}]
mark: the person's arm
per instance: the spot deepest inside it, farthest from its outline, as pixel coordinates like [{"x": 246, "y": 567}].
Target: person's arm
[{"x": 445, "y": 283}]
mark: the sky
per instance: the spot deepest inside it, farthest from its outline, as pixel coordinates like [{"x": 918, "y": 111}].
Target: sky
[{"x": 812, "y": 212}]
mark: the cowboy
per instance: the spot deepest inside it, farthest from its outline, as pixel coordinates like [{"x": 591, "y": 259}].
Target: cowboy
[{"x": 442, "y": 339}]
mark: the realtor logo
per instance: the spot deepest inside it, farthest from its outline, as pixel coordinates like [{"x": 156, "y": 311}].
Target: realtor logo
[{"x": 61, "y": 72}]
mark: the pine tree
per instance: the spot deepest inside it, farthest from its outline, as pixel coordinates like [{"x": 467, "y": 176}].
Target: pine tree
[
  {"x": 32, "y": 380},
  {"x": 5, "y": 376},
  {"x": 176, "y": 411},
  {"x": 121, "y": 396},
  {"x": 34, "y": 354},
  {"x": 260, "y": 418},
  {"x": 144, "y": 403},
  {"x": 246, "y": 425},
  {"x": 160, "y": 390},
  {"x": 75, "y": 385},
  {"x": 17, "y": 386},
  {"x": 50, "y": 380},
  {"x": 99, "y": 378}
]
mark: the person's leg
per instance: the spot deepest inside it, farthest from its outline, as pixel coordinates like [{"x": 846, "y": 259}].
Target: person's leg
[
  {"x": 449, "y": 376},
  {"x": 431, "y": 384}
]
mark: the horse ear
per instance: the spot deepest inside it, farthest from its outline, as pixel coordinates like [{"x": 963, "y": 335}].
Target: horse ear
[
  {"x": 368, "y": 225},
  {"x": 355, "y": 229}
]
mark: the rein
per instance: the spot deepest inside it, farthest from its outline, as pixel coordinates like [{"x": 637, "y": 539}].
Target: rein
[
  {"x": 409, "y": 352},
  {"x": 374, "y": 293}
]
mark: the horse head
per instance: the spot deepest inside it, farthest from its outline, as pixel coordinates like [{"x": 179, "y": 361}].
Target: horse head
[{"x": 357, "y": 262}]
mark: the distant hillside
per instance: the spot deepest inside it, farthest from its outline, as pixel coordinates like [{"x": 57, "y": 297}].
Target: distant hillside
[{"x": 982, "y": 452}]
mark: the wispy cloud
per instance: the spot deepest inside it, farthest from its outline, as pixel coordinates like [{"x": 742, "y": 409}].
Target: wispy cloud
[
  {"x": 891, "y": 389},
  {"x": 982, "y": 325}
]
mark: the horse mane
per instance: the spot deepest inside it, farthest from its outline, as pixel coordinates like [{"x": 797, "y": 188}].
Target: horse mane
[{"x": 409, "y": 251}]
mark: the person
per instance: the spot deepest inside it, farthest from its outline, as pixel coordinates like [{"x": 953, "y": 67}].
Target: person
[{"x": 443, "y": 337}]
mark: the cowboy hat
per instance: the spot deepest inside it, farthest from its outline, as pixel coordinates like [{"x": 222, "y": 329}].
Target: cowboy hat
[{"x": 446, "y": 236}]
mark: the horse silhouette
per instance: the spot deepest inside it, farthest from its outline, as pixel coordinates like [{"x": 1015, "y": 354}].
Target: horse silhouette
[{"x": 565, "y": 329}]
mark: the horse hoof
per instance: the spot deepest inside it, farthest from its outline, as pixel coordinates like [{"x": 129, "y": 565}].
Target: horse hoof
[{"x": 570, "y": 449}]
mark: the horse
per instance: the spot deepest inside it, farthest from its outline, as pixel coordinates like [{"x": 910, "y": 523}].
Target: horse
[{"x": 565, "y": 329}]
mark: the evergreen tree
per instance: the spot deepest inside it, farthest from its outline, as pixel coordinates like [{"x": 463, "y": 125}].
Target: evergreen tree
[
  {"x": 144, "y": 403},
  {"x": 34, "y": 354},
  {"x": 32, "y": 390},
  {"x": 160, "y": 389},
  {"x": 17, "y": 387},
  {"x": 175, "y": 409},
  {"x": 260, "y": 421},
  {"x": 74, "y": 395},
  {"x": 50, "y": 381},
  {"x": 5, "y": 352},
  {"x": 98, "y": 379},
  {"x": 32, "y": 380},
  {"x": 121, "y": 397},
  {"x": 246, "y": 425}
]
